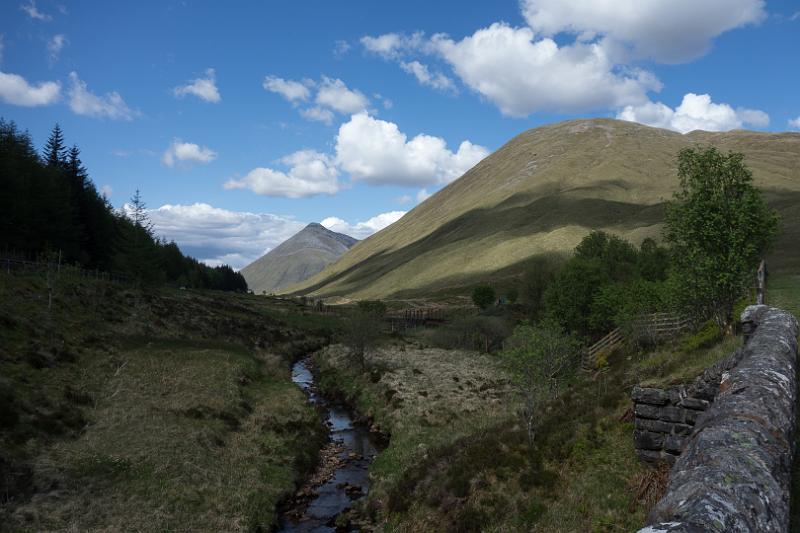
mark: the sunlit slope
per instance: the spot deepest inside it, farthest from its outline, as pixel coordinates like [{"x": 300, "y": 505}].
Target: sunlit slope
[{"x": 542, "y": 192}]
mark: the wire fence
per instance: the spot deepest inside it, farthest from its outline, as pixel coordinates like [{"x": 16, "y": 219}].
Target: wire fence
[{"x": 14, "y": 265}]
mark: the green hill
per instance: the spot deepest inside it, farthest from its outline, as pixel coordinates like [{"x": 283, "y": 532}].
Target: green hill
[{"x": 541, "y": 193}]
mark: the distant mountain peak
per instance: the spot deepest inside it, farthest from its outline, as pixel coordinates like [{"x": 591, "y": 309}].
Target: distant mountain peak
[{"x": 301, "y": 256}]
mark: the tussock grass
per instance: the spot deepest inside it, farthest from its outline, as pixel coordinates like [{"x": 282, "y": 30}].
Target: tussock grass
[
  {"x": 459, "y": 461},
  {"x": 139, "y": 411}
]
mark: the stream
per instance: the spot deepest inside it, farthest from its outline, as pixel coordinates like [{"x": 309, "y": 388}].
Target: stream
[{"x": 352, "y": 449}]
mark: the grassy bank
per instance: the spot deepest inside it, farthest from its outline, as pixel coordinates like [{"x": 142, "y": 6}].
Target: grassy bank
[
  {"x": 459, "y": 461},
  {"x": 161, "y": 410}
]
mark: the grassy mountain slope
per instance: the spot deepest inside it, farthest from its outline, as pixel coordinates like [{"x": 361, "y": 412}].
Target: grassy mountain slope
[
  {"x": 296, "y": 259},
  {"x": 541, "y": 193}
]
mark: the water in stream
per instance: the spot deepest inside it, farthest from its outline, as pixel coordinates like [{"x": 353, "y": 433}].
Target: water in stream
[{"x": 357, "y": 451}]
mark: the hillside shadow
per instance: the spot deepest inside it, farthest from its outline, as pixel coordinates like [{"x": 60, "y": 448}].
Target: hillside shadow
[{"x": 518, "y": 216}]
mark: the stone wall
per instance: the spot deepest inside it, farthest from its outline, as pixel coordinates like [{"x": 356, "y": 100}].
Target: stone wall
[
  {"x": 664, "y": 419},
  {"x": 735, "y": 470}
]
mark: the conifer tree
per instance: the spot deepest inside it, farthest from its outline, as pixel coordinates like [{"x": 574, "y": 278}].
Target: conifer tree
[{"x": 55, "y": 150}]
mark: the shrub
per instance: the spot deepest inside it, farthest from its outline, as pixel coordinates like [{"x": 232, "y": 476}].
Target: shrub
[{"x": 483, "y": 296}]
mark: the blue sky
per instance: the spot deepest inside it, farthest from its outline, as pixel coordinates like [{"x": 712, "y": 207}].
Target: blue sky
[{"x": 240, "y": 122}]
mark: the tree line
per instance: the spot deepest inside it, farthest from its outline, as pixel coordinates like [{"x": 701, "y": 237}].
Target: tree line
[{"x": 50, "y": 207}]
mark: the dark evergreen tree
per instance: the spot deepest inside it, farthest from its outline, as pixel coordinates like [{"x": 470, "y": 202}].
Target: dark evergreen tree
[
  {"x": 55, "y": 150},
  {"x": 51, "y": 207}
]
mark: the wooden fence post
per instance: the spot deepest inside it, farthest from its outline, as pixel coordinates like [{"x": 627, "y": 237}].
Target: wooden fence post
[{"x": 761, "y": 287}]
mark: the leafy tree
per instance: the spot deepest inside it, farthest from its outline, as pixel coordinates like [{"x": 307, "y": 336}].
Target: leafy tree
[
  {"x": 539, "y": 358},
  {"x": 719, "y": 228},
  {"x": 653, "y": 261},
  {"x": 483, "y": 296},
  {"x": 538, "y": 277}
]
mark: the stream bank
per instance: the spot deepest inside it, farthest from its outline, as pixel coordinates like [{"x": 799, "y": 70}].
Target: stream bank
[{"x": 324, "y": 502}]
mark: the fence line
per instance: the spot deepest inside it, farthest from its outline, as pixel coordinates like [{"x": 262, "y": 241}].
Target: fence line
[{"x": 11, "y": 266}]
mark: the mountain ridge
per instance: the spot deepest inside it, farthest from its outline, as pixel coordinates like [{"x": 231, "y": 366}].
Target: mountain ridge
[{"x": 541, "y": 193}]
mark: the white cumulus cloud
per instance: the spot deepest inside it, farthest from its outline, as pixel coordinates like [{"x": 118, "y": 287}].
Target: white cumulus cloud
[
  {"x": 668, "y": 31},
  {"x": 33, "y": 12},
  {"x": 183, "y": 152},
  {"x": 362, "y": 230},
  {"x": 16, "y": 90},
  {"x": 377, "y": 152},
  {"x": 292, "y": 91},
  {"x": 696, "y": 112},
  {"x": 205, "y": 88},
  {"x": 521, "y": 74},
  {"x": 392, "y": 46},
  {"x": 309, "y": 173},
  {"x": 318, "y": 114},
  {"x": 334, "y": 94},
  {"x": 795, "y": 123},
  {"x": 216, "y": 236},
  {"x": 425, "y": 77},
  {"x": 55, "y": 45},
  {"x": 83, "y": 102}
]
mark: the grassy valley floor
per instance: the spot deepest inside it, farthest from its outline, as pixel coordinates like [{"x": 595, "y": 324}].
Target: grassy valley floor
[{"x": 166, "y": 410}]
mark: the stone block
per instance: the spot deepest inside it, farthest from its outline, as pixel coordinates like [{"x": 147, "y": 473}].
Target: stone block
[
  {"x": 691, "y": 416},
  {"x": 697, "y": 404},
  {"x": 649, "y": 396},
  {"x": 673, "y": 414},
  {"x": 682, "y": 429},
  {"x": 647, "y": 411},
  {"x": 657, "y": 426},
  {"x": 674, "y": 444},
  {"x": 648, "y": 440}
]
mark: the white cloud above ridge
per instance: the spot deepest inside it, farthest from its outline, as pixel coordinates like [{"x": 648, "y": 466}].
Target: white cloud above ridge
[
  {"x": 332, "y": 97},
  {"x": 292, "y": 91},
  {"x": 310, "y": 173},
  {"x": 216, "y": 236},
  {"x": 521, "y": 74},
  {"x": 523, "y": 70},
  {"x": 180, "y": 152},
  {"x": 335, "y": 95},
  {"x": 318, "y": 114},
  {"x": 362, "y": 230},
  {"x": 435, "y": 80},
  {"x": 377, "y": 152},
  {"x": 55, "y": 45},
  {"x": 392, "y": 46},
  {"x": 668, "y": 31},
  {"x": 33, "y": 12},
  {"x": 84, "y": 102},
  {"x": 695, "y": 112},
  {"x": 15, "y": 90},
  {"x": 795, "y": 123},
  {"x": 205, "y": 88}
]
